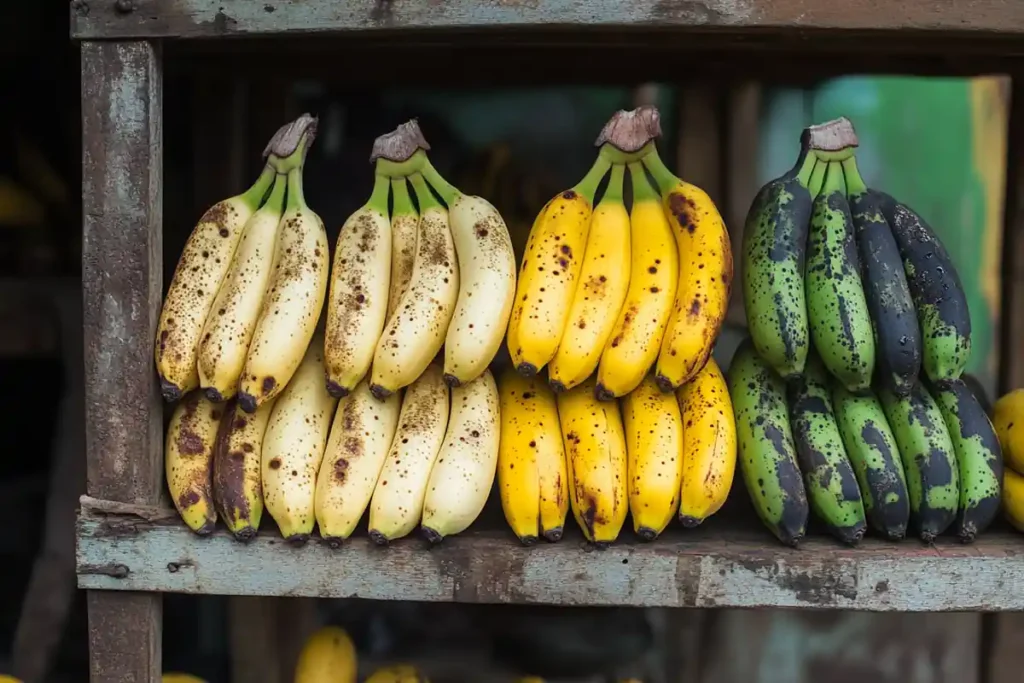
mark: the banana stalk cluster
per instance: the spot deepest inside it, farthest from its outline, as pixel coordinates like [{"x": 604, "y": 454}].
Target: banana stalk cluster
[{"x": 848, "y": 393}]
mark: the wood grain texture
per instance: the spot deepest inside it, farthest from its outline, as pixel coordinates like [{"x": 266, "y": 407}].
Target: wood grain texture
[{"x": 91, "y": 19}]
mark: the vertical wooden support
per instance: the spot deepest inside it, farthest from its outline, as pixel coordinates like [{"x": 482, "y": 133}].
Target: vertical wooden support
[{"x": 122, "y": 206}]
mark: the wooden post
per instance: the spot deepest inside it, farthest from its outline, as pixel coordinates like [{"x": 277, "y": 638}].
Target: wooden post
[{"x": 122, "y": 203}]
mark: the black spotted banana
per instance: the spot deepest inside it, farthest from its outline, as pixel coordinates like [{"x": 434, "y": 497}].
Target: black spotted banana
[
  {"x": 188, "y": 460},
  {"x": 237, "y": 461},
  {"x": 405, "y": 221}
]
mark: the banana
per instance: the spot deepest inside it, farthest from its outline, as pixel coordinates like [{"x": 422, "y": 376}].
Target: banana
[
  {"x": 896, "y": 332},
  {"x": 416, "y": 332},
  {"x": 405, "y": 221},
  {"x": 829, "y": 479},
  {"x": 549, "y": 272},
  {"x": 774, "y": 252},
  {"x": 357, "y": 303},
  {"x": 875, "y": 457},
  {"x": 654, "y": 273},
  {"x": 653, "y": 429},
  {"x": 532, "y": 477},
  {"x": 172, "y": 677},
  {"x": 595, "y": 450},
  {"x": 327, "y": 655},
  {"x": 232, "y": 320},
  {"x": 936, "y": 290},
  {"x": 463, "y": 475},
  {"x": 397, "y": 503},
  {"x": 1008, "y": 419},
  {"x": 600, "y": 291},
  {"x": 709, "y": 445},
  {"x": 1013, "y": 499},
  {"x": 487, "y": 282},
  {"x": 705, "y": 277},
  {"x": 293, "y": 446},
  {"x": 978, "y": 455},
  {"x": 360, "y": 437},
  {"x": 767, "y": 453},
  {"x": 929, "y": 459},
  {"x": 188, "y": 460},
  {"x": 398, "y": 673},
  {"x": 197, "y": 278},
  {"x": 294, "y": 298},
  {"x": 237, "y": 479}
]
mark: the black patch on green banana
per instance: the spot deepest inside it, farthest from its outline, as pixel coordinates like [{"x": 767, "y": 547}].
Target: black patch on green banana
[
  {"x": 936, "y": 290},
  {"x": 978, "y": 455},
  {"x": 872, "y": 450},
  {"x": 829, "y": 478},
  {"x": 768, "y": 457},
  {"x": 929, "y": 459}
]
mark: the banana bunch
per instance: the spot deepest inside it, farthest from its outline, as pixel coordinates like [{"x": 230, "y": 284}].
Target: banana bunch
[
  {"x": 249, "y": 287},
  {"x": 426, "y": 275}
]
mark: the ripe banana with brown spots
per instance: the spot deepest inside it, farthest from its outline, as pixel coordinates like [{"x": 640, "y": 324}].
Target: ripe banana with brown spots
[
  {"x": 237, "y": 480},
  {"x": 188, "y": 460},
  {"x": 405, "y": 222}
]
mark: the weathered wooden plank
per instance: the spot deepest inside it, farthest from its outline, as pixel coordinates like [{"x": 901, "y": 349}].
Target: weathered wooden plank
[
  {"x": 121, "y": 280},
  {"x": 214, "y": 18},
  {"x": 743, "y": 569}
]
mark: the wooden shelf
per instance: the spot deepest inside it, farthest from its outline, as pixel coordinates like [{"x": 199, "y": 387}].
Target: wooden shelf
[{"x": 701, "y": 568}]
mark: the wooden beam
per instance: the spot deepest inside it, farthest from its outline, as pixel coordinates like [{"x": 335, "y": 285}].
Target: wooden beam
[
  {"x": 122, "y": 285},
  {"x": 218, "y": 18}
]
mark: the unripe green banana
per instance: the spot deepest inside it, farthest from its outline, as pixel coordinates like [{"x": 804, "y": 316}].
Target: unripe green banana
[
  {"x": 767, "y": 454},
  {"x": 828, "y": 476},
  {"x": 978, "y": 455},
  {"x": 929, "y": 460},
  {"x": 836, "y": 306},
  {"x": 872, "y": 450}
]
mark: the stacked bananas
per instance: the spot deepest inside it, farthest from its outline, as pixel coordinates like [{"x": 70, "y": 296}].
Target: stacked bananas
[
  {"x": 848, "y": 393},
  {"x": 329, "y": 656},
  {"x": 627, "y": 305}
]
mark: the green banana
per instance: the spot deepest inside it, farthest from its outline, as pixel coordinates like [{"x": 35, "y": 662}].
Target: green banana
[
  {"x": 774, "y": 250},
  {"x": 767, "y": 454},
  {"x": 929, "y": 460},
  {"x": 875, "y": 457},
  {"x": 836, "y": 305},
  {"x": 978, "y": 455},
  {"x": 828, "y": 475}
]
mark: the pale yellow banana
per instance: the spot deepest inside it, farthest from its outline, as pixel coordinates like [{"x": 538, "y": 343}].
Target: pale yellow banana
[
  {"x": 654, "y": 465},
  {"x": 358, "y": 301},
  {"x": 640, "y": 327},
  {"x": 237, "y": 476},
  {"x": 188, "y": 460},
  {"x": 595, "y": 451},
  {"x": 201, "y": 268},
  {"x": 600, "y": 292},
  {"x": 463, "y": 475},
  {"x": 414, "y": 335},
  {"x": 549, "y": 272},
  {"x": 232, "y": 320},
  {"x": 709, "y": 445},
  {"x": 532, "y": 476},
  {"x": 398, "y": 673},
  {"x": 405, "y": 221},
  {"x": 1013, "y": 498},
  {"x": 397, "y": 503},
  {"x": 360, "y": 437},
  {"x": 293, "y": 446},
  {"x": 328, "y": 656}
]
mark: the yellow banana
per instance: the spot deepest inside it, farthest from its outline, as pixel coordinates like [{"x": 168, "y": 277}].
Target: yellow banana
[
  {"x": 705, "y": 277},
  {"x": 595, "y": 451},
  {"x": 295, "y": 294},
  {"x": 416, "y": 332},
  {"x": 654, "y": 464},
  {"x": 327, "y": 656},
  {"x": 397, "y": 503},
  {"x": 399, "y": 673},
  {"x": 549, "y": 272},
  {"x": 232, "y": 320},
  {"x": 600, "y": 292},
  {"x": 709, "y": 444},
  {"x": 532, "y": 476},
  {"x": 640, "y": 327},
  {"x": 1013, "y": 498},
  {"x": 237, "y": 479},
  {"x": 405, "y": 221},
  {"x": 293, "y": 446},
  {"x": 360, "y": 437},
  {"x": 170, "y": 678},
  {"x": 1008, "y": 419},
  {"x": 201, "y": 268},
  {"x": 358, "y": 300},
  {"x": 188, "y": 460}
]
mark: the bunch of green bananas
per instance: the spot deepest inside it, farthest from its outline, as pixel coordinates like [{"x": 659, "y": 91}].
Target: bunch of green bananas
[{"x": 848, "y": 393}]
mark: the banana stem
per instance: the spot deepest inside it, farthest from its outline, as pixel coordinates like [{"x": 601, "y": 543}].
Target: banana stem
[
  {"x": 401, "y": 169},
  {"x": 447, "y": 191},
  {"x": 379, "y": 197},
  {"x": 293, "y": 160},
  {"x": 662, "y": 175},
  {"x": 616, "y": 156},
  {"x": 276, "y": 198},
  {"x": 806, "y": 163},
  {"x": 424, "y": 196},
  {"x": 854, "y": 182},
  {"x": 588, "y": 186},
  {"x": 817, "y": 178},
  {"x": 296, "y": 200},
  {"x": 613, "y": 193},
  {"x": 642, "y": 189},
  {"x": 254, "y": 195},
  {"x": 834, "y": 181},
  {"x": 403, "y": 202}
]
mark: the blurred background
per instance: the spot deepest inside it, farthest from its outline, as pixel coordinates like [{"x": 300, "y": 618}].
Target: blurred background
[{"x": 937, "y": 143}]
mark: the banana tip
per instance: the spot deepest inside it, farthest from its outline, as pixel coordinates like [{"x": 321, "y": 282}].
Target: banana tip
[
  {"x": 170, "y": 391},
  {"x": 214, "y": 395},
  {"x": 433, "y": 537},
  {"x": 646, "y": 533},
  {"x": 601, "y": 393},
  {"x": 556, "y": 386},
  {"x": 298, "y": 540},
  {"x": 690, "y": 522},
  {"x": 553, "y": 535},
  {"x": 451, "y": 380},
  {"x": 528, "y": 540},
  {"x": 333, "y": 542},
  {"x": 526, "y": 369},
  {"x": 245, "y": 535},
  {"x": 247, "y": 402},
  {"x": 336, "y": 390},
  {"x": 379, "y": 392},
  {"x": 206, "y": 528},
  {"x": 664, "y": 384},
  {"x": 378, "y": 538}
]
